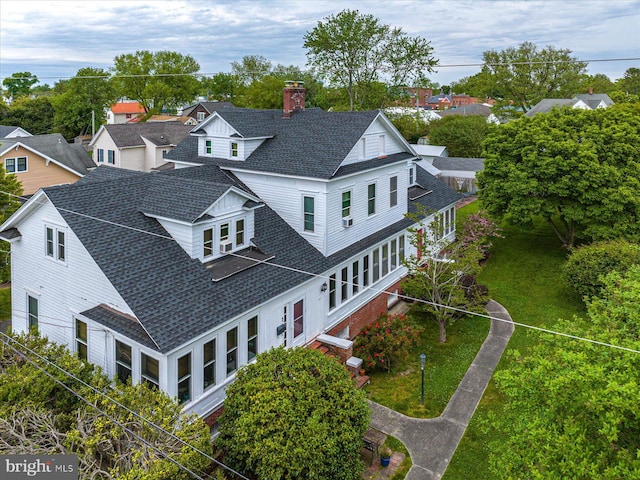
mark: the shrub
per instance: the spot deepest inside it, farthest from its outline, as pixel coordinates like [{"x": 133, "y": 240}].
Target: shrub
[
  {"x": 587, "y": 265},
  {"x": 386, "y": 340}
]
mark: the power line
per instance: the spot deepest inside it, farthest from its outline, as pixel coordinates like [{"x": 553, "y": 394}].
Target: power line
[
  {"x": 210, "y": 74},
  {"x": 102, "y": 412},
  {"x": 328, "y": 277},
  {"x": 134, "y": 413}
]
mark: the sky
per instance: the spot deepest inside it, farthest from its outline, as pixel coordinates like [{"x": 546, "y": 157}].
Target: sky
[{"x": 54, "y": 39}]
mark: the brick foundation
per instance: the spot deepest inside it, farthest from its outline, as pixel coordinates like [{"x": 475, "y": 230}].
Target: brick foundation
[
  {"x": 363, "y": 317},
  {"x": 213, "y": 416}
]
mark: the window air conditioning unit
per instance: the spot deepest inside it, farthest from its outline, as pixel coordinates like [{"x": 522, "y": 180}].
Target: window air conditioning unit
[
  {"x": 347, "y": 222},
  {"x": 225, "y": 246}
]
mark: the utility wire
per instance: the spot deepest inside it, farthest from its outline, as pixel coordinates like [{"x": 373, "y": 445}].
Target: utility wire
[
  {"x": 452, "y": 65},
  {"x": 325, "y": 277},
  {"x": 134, "y": 413},
  {"x": 124, "y": 427}
]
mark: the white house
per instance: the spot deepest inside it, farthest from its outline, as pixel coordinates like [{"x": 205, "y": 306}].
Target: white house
[
  {"x": 275, "y": 228},
  {"x": 137, "y": 146},
  {"x": 9, "y": 131}
]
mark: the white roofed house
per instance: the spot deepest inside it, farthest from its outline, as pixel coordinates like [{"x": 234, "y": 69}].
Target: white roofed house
[{"x": 275, "y": 228}]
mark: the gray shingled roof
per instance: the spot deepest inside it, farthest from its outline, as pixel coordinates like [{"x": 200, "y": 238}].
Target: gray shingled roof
[
  {"x": 71, "y": 155},
  {"x": 179, "y": 198},
  {"x": 595, "y": 98},
  {"x": 172, "y": 295},
  {"x": 6, "y": 130},
  {"x": 208, "y": 106},
  {"x": 159, "y": 133},
  {"x": 459, "y": 163},
  {"x": 547, "y": 104},
  {"x": 473, "y": 109},
  {"x": 324, "y": 139}
]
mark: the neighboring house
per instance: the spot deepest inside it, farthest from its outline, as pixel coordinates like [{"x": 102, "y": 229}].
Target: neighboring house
[
  {"x": 7, "y": 131},
  {"x": 40, "y": 161},
  {"x": 276, "y": 228},
  {"x": 595, "y": 100},
  {"x": 137, "y": 146},
  {"x": 202, "y": 110},
  {"x": 124, "y": 112},
  {"x": 546, "y": 104},
  {"x": 173, "y": 118},
  {"x": 459, "y": 173},
  {"x": 481, "y": 109}
]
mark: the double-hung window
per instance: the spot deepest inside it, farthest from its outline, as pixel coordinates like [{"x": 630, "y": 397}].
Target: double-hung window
[
  {"x": 332, "y": 291},
  {"x": 100, "y": 155},
  {"x": 355, "y": 279},
  {"x": 111, "y": 155},
  {"x": 32, "y": 311},
  {"x": 385, "y": 259},
  {"x": 298, "y": 318},
  {"x": 371, "y": 199},
  {"x": 365, "y": 270},
  {"x": 123, "y": 361},
  {"x": 346, "y": 204},
  {"x": 209, "y": 364},
  {"x": 376, "y": 265},
  {"x": 207, "y": 238},
  {"x": 184, "y": 378},
  {"x": 239, "y": 232},
  {"x": 207, "y": 144},
  {"x": 150, "y": 370},
  {"x": 393, "y": 191},
  {"x": 309, "y": 213},
  {"x": 81, "y": 339},
  {"x": 14, "y": 165},
  {"x": 200, "y": 116},
  {"x": 234, "y": 149},
  {"x": 252, "y": 338},
  {"x": 344, "y": 290},
  {"x": 232, "y": 350},
  {"x": 55, "y": 245}
]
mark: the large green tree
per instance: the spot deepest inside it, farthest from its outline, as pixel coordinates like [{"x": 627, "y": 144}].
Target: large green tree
[
  {"x": 89, "y": 91},
  {"x": 630, "y": 82},
  {"x": 35, "y": 115},
  {"x": 292, "y": 414},
  {"x": 158, "y": 80},
  {"x": 577, "y": 169},
  {"x": 527, "y": 74},
  {"x": 354, "y": 51},
  {"x": 19, "y": 84},
  {"x": 461, "y": 134},
  {"x": 572, "y": 406},
  {"x": 442, "y": 273}
]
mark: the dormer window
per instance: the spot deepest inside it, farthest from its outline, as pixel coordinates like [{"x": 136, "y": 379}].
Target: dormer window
[
  {"x": 208, "y": 243},
  {"x": 234, "y": 149},
  {"x": 200, "y": 116},
  {"x": 412, "y": 175},
  {"x": 239, "y": 232},
  {"x": 207, "y": 145}
]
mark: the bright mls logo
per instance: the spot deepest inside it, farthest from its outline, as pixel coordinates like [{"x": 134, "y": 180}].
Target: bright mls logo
[{"x": 49, "y": 467}]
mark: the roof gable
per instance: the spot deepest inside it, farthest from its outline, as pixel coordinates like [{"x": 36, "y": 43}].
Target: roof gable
[{"x": 126, "y": 135}]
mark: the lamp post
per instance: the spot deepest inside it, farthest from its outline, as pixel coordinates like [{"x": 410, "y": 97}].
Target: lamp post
[{"x": 423, "y": 359}]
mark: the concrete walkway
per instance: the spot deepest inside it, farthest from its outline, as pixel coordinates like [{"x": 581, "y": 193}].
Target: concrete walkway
[{"x": 432, "y": 442}]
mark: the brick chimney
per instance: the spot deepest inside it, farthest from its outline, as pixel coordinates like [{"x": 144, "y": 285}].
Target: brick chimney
[{"x": 293, "y": 96}]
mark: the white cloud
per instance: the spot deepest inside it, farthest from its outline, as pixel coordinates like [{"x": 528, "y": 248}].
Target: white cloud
[{"x": 55, "y": 39}]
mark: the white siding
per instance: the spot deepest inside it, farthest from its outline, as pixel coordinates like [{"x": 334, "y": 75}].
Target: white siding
[
  {"x": 63, "y": 289},
  {"x": 373, "y": 144}
]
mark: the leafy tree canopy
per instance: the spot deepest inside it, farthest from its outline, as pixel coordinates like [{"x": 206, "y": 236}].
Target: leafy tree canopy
[
  {"x": 572, "y": 407},
  {"x": 589, "y": 264},
  {"x": 19, "y": 84},
  {"x": 40, "y": 416},
  {"x": 89, "y": 91},
  {"x": 35, "y": 115},
  {"x": 292, "y": 414},
  {"x": 461, "y": 134},
  {"x": 577, "y": 169},
  {"x": 630, "y": 82},
  {"x": 354, "y": 50},
  {"x": 410, "y": 125},
  {"x": 158, "y": 80},
  {"x": 525, "y": 75}
]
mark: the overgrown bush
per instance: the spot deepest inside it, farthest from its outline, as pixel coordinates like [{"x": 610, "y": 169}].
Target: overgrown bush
[
  {"x": 387, "y": 340},
  {"x": 587, "y": 265}
]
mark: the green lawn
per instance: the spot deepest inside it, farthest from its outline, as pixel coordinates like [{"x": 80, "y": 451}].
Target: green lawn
[
  {"x": 446, "y": 365},
  {"x": 523, "y": 274}
]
